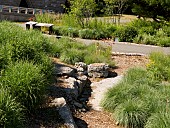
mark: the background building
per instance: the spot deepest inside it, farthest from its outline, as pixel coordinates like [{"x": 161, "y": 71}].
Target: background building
[{"x": 55, "y": 5}]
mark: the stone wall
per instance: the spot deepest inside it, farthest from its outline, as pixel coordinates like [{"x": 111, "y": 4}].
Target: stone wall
[{"x": 55, "y": 5}]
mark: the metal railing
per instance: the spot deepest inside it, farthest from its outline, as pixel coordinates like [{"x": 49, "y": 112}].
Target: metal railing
[{"x": 13, "y": 9}]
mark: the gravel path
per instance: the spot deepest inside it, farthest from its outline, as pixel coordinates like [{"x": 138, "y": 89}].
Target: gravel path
[{"x": 99, "y": 89}]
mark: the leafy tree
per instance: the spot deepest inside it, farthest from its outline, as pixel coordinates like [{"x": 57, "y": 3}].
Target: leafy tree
[
  {"x": 81, "y": 9},
  {"x": 156, "y": 9},
  {"x": 116, "y": 7}
]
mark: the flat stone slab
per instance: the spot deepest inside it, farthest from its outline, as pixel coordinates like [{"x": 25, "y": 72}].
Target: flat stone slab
[{"x": 100, "y": 88}]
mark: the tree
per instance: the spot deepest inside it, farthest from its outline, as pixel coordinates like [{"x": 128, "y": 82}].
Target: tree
[
  {"x": 116, "y": 7},
  {"x": 156, "y": 9},
  {"x": 82, "y": 10}
]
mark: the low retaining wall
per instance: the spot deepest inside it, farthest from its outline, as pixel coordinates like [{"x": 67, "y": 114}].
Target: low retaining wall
[{"x": 19, "y": 17}]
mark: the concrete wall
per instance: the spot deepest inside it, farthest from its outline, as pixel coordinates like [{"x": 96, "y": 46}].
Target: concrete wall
[
  {"x": 15, "y": 16},
  {"x": 55, "y": 5}
]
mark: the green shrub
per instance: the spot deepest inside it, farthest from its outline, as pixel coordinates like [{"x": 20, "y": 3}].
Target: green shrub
[
  {"x": 66, "y": 31},
  {"x": 126, "y": 33},
  {"x": 48, "y": 18},
  {"x": 11, "y": 112},
  {"x": 159, "y": 66},
  {"x": 166, "y": 30},
  {"x": 25, "y": 82},
  {"x": 70, "y": 21},
  {"x": 87, "y": 34},
  {"x": 95, "y": 53},
  {"x": 71, "y": 51},
  {"x": 145, "y": 39},
  {"x": 148, "y": 30},
  {"x": 143, "y": 23},
  {"x": 72, "y": 56},
  {"x": 164, "y": 41}
]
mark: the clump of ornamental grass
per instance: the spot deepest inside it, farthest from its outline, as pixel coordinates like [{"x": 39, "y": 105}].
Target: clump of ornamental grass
[
  {"x": 136, "y": 98},
  {"x": 159, "y": 120},
  {"x": 25, "y": 81},
  {"x": 11, "y": 111}
]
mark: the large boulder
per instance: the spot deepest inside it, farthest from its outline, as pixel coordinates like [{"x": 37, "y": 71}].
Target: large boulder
[
  {"x": 64, "y": 71},
  {"x": 98, "y": 70}
]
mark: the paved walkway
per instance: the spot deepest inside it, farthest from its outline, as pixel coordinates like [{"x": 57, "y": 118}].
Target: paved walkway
[{"x": 123, "y": 47}]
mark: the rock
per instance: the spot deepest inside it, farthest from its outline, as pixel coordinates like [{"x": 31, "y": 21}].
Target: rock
[
  {"x": 81, "y": 64},
  {"x": 72, "y": 87},
  {"x": 81, "y": 68},
  {"x": 63, "y": 70},
  {"x": 58, "y": 102},
  {"x": 80, "y": 86},
  {"x": 79, "y": 105},
  {"x": 82, "y": 80},
  {"x": 64, "y": 112},
  {"x": 98, "y": 70}
]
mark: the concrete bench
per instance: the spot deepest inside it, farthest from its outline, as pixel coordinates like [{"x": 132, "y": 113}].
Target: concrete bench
[
  {"x": 41, "y": 26},
  {"x": 30, "y": 25},
  {"x": 44, "y": 27}
]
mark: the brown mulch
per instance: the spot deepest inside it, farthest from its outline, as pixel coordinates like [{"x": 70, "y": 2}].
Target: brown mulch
[
  {"x": 101, "y": 119},
  {"x": 91, "y": 118}
]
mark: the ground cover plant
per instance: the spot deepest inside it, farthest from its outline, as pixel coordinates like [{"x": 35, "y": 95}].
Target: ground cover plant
[{"x": 141, "y": 99}]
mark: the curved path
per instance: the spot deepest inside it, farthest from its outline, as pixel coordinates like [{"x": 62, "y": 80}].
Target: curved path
[{"x": 124, "y": 47}]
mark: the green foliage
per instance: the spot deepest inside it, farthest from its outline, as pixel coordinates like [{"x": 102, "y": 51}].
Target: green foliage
[
  {"x": 82, "y": 9},
  {"x": 25, "y": 82},
  {"x": 70, "y": 20},
  {"x": 144, "y": 23},
  {"x": 165, "y": 42},
  {"x": 142, "y": 96},
  {"x": 132, "y": 114},
  {"x": 146, "y": 8},
  {"x": 70, "y": 51},
  {"x": 159, "y": 120},
  {"x": 72, "y": 56},
  {"x": 136, "y": 76},
  {"x": 95, "y": 53},
  {"x": 159, "y": 66},
  {"x": 126, "y": 33},
  {"x": 48, "y": 18},
  {"x": 5, "y": 55},
  {"x": 145, "y": 39},
  {"x": 25, "y": 71},
  {"x": 148, "y": 30},
  {"x": 87, "y": 34},
  {"x": 11, "y": 112},
  {"x": 66, "y": 31}
]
